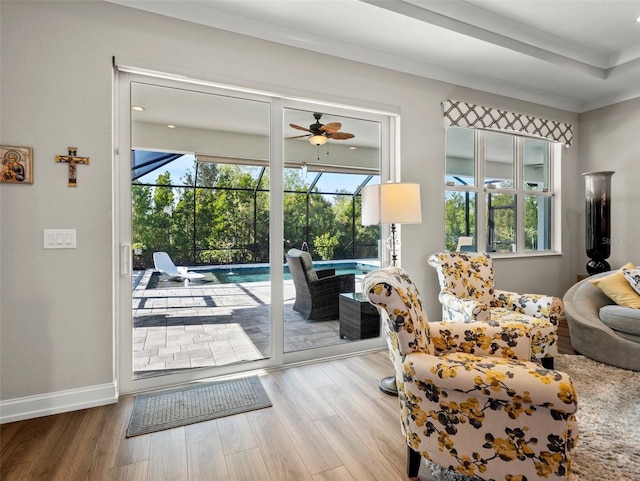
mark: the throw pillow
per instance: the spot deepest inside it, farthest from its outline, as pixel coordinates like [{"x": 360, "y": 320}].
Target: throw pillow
[
  {"x": 633, "y": 276},
  {"x": 616, "y": 288}
]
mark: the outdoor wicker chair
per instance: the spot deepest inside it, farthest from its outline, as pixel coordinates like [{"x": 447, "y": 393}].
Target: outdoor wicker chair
[{"x": 317, "y": 292}]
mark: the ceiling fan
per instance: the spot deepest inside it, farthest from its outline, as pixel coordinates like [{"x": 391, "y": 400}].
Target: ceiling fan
[{"x": 319, "y": 133}]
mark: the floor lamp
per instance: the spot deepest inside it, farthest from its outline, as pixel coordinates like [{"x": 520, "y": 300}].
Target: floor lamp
[{"x": 392, "y": 203}]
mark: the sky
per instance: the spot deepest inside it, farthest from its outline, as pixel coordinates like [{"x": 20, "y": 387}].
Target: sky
[{"x": 329, "y": 182}]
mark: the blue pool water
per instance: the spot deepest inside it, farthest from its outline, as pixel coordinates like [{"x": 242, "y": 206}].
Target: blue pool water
[{"x": 238, "y": 274}]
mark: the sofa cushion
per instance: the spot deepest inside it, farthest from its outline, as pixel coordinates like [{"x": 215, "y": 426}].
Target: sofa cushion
[
  {"x": 633, "y": 277},
  {"x": 617, "y": 288},
  {"x": 624, "y": 321}
]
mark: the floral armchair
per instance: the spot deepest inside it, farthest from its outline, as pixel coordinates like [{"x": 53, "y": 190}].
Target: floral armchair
[
  {"x": 468, "y": 294},
  {"x": 497, "y": 418}
]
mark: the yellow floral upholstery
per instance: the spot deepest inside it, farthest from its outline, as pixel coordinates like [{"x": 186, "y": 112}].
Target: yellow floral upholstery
[
  {"x": 468, "y": 295},
  {"x": 467, "y": 403}
]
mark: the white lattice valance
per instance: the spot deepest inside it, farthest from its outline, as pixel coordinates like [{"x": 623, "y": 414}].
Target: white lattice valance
[{"x": 464, "y": 114}]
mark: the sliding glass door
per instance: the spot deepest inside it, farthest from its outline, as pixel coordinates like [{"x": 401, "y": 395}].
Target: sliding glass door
[{"x": 209, "y": 180}]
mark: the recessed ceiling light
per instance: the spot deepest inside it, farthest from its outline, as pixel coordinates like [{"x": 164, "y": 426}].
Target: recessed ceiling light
[
  {"x": 171, "y": 126},
  {"x": 352, "y": 148},
  {"x": 638, "y": 19},
  {"x": 137, "y": 108}
]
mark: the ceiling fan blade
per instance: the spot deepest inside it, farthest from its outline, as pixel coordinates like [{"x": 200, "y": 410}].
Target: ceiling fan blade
[
  {"x": 331, "y": 127},
  {"x": 297, "y": 136},
  {"x": 298, "y": 127},
  {"x": 340, "y": 135}
]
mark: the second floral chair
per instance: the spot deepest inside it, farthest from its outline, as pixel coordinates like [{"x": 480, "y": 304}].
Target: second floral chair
[
  {"x": 468, "y": 294},
  {"x": 497, "y": 418}
]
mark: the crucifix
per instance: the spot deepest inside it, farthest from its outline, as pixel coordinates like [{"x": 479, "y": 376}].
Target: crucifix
[{"x": 72, "y": 159}]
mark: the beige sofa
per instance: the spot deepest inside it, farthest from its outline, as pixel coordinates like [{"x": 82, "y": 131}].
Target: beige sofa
[{"x": 590, "y": 336}]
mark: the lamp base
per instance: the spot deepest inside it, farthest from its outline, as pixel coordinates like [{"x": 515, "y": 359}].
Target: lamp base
[{"x": 388, "y": 385}]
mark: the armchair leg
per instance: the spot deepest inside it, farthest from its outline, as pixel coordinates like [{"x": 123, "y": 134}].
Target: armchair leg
[
  {"x": 547, "y": 362},
  {"x": 413, "y": 462}
]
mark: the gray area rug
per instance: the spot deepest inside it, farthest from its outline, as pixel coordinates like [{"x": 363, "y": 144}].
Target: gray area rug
[
  {"x": 608, "y": 416},
  {"x": 203, "y": 402}
]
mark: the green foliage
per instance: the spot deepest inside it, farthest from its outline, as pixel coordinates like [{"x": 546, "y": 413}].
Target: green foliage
[
  {"x": 456, "y": 222},
  {"x": 502, "y": 211},
  {"x": 503, "y": 219},
  {"x": 325, "y": 246},
  {"x": 199, "y": 222}
]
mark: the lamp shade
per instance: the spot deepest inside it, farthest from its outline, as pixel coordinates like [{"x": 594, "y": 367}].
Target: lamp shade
[{"x": 392, "y": 203}]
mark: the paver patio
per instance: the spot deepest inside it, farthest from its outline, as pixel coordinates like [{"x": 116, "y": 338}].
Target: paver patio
[{"x": 203, "y": 325}]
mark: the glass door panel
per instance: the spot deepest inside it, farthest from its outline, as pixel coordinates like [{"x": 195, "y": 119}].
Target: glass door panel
[
  {"x": 328, "y": 158},
  {"x": 200, "y": 193}
]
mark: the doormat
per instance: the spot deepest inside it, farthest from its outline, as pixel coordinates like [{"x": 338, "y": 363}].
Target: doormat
[{"x": 179, "y": 407}]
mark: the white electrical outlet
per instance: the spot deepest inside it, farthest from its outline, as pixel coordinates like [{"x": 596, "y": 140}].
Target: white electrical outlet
[{"x": 59, "y": 238}]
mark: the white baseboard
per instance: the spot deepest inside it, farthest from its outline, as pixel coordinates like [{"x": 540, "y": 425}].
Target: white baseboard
[{"x": 57, "y": 402}]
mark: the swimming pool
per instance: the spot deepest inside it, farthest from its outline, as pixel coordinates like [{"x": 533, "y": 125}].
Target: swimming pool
[{"x": 240, "y": 274}]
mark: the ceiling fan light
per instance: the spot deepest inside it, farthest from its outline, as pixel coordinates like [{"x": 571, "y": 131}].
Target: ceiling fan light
[{"x": 318, "y": 139}]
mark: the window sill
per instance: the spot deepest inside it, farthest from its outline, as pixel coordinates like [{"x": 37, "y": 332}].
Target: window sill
[{"x": 521, "y": 255}]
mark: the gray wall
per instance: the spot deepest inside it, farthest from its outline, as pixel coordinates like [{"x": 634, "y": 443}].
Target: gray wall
[
  {"x": 609, "y": 141},
  {"x": 57, "y": 318}
]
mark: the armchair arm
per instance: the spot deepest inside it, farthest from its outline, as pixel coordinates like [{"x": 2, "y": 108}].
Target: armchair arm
[
  {"x": 470, "y": 309},
  {"x": 322, "y": 273},
  {"x": 514, "y": 385},
  {"x": 334, "y": 284},
  {"x": 347, "y": 282},
  {"x": 535, "y": 305},
  {"x": 480, "y": 338}
]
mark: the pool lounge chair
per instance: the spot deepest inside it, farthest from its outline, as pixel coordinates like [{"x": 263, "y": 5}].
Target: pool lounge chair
[{"x": 164, "y": 264}]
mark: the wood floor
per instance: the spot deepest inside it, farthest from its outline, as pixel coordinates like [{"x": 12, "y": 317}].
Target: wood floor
[{"x": 329, "y": 422}]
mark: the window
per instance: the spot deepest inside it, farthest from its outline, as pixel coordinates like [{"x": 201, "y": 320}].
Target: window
[{"x": 499, "y": 191}]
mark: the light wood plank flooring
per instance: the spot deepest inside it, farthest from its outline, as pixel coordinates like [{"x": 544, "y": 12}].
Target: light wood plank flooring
[{"x": 329, "y": 422}]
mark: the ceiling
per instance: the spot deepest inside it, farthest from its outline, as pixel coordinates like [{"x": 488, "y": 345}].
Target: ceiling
[
  {"x": 575, "y": 55},
  {"x": 182, "y": 108}
]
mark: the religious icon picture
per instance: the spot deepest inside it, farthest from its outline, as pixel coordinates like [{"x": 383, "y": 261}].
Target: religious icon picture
[{"x": 17, "y": 164}]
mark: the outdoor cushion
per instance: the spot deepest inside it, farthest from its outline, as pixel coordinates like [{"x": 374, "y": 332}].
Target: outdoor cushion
[
  {"x": 307, "y": 264},
  {"x": 625, "y": 321}
]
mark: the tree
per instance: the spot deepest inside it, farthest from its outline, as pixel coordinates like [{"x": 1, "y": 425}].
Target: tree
[
  {"x": 325, "y": 246},
  {"x": 457, "y": 223},
  {"x": 219, "y": 215},
  {"x": 501, "y": 220},
  {"x": 141, "y": 235},
  {"x": 355, "y": 239}
]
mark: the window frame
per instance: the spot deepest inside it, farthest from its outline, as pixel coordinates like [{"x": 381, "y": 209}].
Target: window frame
[{"x": 480, "y": 190}]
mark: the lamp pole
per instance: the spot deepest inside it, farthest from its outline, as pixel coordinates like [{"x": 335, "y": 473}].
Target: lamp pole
[{"x": 391, "y": 203}]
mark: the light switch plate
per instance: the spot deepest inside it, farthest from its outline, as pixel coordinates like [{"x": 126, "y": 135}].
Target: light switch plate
[{"x": 59, "y": 238}]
